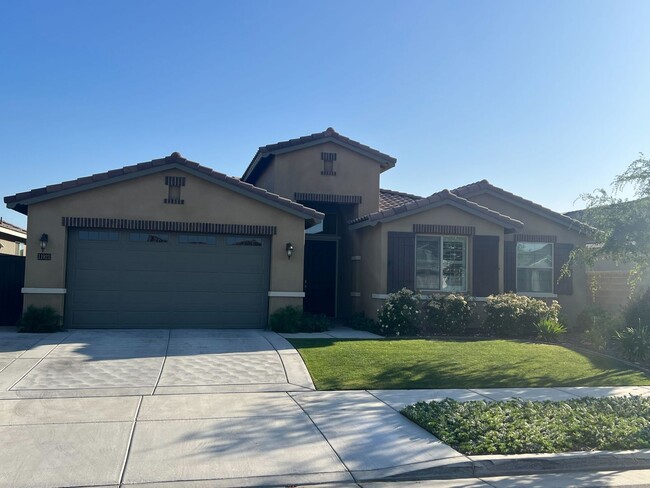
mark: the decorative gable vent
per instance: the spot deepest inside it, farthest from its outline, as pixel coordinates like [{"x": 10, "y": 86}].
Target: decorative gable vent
[
  {"x": 328, "y": 159},
  {"x": 174, "y": 184}
]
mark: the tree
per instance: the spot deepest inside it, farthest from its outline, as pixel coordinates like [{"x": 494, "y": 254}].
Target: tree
[{"x": 623, "y": 226}]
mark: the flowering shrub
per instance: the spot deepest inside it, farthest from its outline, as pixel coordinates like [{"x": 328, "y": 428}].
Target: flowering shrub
[
  {"x": 447, "y": 314},
  {"x": 400, "y": 313},
  {"x": 512, "y": 315}
]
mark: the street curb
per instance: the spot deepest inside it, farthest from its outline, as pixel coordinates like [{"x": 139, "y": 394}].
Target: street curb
[{"x": 510, "y": 465}]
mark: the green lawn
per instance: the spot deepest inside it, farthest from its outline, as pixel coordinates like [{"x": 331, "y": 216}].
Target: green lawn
[{"x": 375, "y": 364}]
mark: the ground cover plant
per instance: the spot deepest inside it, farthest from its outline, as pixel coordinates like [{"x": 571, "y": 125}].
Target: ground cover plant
[
  {"x": 519, "y": 427},
  {"x": 336, "y": 364},
  {"x": 40, "y": 319}
]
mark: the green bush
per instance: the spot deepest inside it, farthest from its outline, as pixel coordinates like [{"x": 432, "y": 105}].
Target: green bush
[
  {"x": 512, "y": 315},
  {"x": 634, "y": 342},
  {"x": 314, "y": 323},
  {"x": 519, "y": 427},
  {"x": 549, "y": 330},
  {"x": 291, "y": 319},
  {"x": 446, "y": 314},
  {"x": 596, "y": 328},
  {"x": 359, "y": 321},
  {"x": 637, "y": 310},
  {"x": 40, "y": 319},
  {"x": 399, "y": 315}
]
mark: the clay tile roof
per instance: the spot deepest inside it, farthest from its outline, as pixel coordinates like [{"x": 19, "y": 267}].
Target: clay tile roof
[
  {"x": 265, "y": 151},
  {"x": 19, "y": 201},
  {"x": 6, "y": 225},
  {"x": 440, "y": 196},
  {"x": 391, "y": 198},
  {"x": 484, "y": 185}
]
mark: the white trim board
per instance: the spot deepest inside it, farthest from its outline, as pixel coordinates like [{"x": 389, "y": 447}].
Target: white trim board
[
  {"x": 45, "y": 291},
  {"x": 287, "y": 294}
]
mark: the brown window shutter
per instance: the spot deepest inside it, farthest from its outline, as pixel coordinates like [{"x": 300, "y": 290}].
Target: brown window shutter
[
  {"x": 509, "y": 266},
  {"x": 485, "y": 266},
  {"x": 561, "y": 254},
  {"x": 401, "y": 261}
]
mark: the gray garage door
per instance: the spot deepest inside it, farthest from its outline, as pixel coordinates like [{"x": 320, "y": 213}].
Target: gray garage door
[{"x": 164, "y": 279}]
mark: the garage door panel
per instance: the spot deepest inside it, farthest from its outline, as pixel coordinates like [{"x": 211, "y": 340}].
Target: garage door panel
[
  {"x": 99, "y": 279},
  {"x": 96, "y": 258},
  {"x": 100, "y": 300},
  {"x": 153, "y": 281},
  {"x": 152, "y": 318},
  {"x": 126, "y": 283},
  {"x": 144, "y": 261},
  {"x": 103, "y": 319}
]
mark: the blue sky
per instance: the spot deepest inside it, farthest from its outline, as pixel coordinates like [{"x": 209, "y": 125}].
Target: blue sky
[{"x": 547, "y": 99}]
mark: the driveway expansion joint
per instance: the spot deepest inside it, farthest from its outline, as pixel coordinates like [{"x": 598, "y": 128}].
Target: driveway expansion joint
[{"x": 130, "y": 442}]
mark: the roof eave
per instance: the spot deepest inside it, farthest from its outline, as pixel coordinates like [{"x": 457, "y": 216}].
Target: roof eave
[{"x": 223, "y": 181}]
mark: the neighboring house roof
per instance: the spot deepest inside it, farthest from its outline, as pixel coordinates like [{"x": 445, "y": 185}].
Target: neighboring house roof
[
  {"x": 21, "y": 201},
  {"x": 264, "y": 154},
  {"x": 484, "y": 186},
  {"x": 583, "y": 214},
  {"x": 391, "y": 198},
  {"x": 444, "y": 197},
  {"x": 11, "y": 229}
]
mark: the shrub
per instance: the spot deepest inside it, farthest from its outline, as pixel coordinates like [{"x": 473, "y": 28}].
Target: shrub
[
  {"x": 519, "y": 426},
  {"x": 399, "y": 315},
  {"x": 286, "y": 319},
  {"x": 40, "y": 319},
  {"x": 359, "y": 321},
  {"x": 512, "y": 315},
  {"x": 634, "y": 342},
  {"x": 447, "y": 314},
  {"x": 549, "y": 330},
  {"x": 314, "y": 323},
  {"x": 597, "y": 327},
  {"x": 291, "y": 319},
  {"x": 637, "y": 310}
]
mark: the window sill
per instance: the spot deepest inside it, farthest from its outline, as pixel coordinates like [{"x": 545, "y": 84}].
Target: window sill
[{"x": 536, "y": 295}]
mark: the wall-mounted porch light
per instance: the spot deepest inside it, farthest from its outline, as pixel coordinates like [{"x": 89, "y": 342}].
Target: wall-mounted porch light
[
  {"x": 43, "y": 241},
  {"x": 289, "y": 248}
]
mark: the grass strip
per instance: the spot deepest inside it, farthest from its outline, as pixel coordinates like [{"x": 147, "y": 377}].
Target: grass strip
[
  {"x": 521, "y": 426},
  {"x": 337, "y": 364}
]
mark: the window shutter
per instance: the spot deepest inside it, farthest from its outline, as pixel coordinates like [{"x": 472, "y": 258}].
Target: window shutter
[
  {"x": 485, "y": 266},
  {"x": 560, "y": 257},
  {"x": 509, "y": 266},
  {"x": 401, "y": 261}
]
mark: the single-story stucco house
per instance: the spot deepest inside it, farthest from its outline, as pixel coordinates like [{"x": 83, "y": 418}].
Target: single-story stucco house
[{"x": 170, "y": 242}]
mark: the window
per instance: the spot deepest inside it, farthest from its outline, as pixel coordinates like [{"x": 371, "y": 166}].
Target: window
[
  {"x": 197, "y": 239},
  {"x": 441, "y": 263},
  {"x": 143, "y": 237},
  {"x": 98, "y": 235},
  {"x": 534, "y": 267},
  {"x": 20, "y": 248},
  {"x": 243, "y": 241}
]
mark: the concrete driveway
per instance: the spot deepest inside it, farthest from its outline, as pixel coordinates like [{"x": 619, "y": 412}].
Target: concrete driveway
[{"x": 84, "y": 363}]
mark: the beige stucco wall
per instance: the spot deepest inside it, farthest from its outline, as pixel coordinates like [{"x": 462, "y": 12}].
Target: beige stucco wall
[
  {"x": 8, "y": 246},
  {"x": 300, "y": 171},
  {"x": 374, "y": 249},
  {"x": 536, "y": 224},
  {"x": 142, "y": 198}
]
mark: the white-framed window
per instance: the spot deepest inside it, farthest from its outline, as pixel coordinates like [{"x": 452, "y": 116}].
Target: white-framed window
[
  {"x": 20, "y": 248},
  {"x": 440, "y": 263},
  {"x": 534, "y": 267}
]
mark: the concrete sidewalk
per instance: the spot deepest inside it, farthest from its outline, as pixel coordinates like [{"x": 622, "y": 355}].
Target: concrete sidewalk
[{"x": 249, "y": 439}]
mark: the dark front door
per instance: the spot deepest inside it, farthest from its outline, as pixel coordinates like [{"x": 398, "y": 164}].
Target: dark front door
[{"x": 320, "y": 277}]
